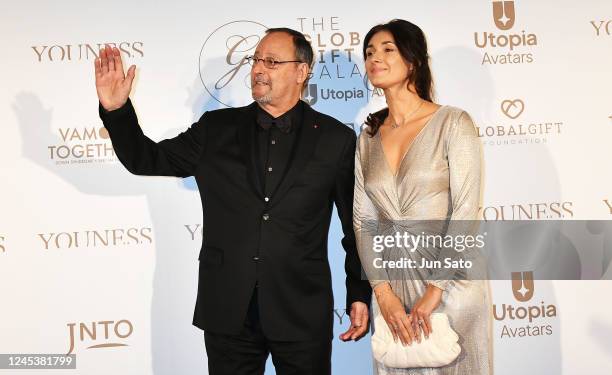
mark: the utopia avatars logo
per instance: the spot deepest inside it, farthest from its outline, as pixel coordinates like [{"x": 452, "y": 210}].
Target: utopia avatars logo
[
  {"x": 503, "y": 14},
  {"x": 522, "y": 285},
  {"x": 310, "y": 95},
  {"x": 505, "y": 47},
  {"x": 522, "y": 320}
]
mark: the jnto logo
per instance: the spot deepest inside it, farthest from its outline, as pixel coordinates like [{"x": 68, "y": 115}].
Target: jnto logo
[{"x": 503, "y": 14}]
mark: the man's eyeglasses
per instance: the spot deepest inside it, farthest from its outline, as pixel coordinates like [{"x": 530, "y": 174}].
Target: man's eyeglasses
[{"x": 268, "y": 62}]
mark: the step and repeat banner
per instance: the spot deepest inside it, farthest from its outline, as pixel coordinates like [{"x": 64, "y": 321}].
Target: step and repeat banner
[{"x": 102, "y": 264}]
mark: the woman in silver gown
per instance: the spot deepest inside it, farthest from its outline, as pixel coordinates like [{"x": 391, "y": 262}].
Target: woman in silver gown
[{"x": 418, "y": 161}]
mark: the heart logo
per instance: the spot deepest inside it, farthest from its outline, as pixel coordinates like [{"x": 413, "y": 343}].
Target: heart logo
[{"x": 513, "y": 108}]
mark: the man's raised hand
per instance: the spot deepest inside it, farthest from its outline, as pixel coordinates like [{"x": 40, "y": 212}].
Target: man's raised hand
[{"x": 112, "y": 85}]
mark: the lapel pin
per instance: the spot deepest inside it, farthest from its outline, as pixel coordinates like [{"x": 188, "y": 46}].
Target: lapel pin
[{"x": 315, "y": 126}]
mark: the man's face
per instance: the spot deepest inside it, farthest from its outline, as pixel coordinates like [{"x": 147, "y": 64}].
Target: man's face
[{"x": 281, "y": 83}]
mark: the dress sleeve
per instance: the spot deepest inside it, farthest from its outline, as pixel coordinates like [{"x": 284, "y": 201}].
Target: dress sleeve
[
  {"x": 365, "y": 218},
  {"x": 464, "y": 163}
]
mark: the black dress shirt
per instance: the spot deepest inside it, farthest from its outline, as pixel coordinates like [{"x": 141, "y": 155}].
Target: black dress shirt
[{"x": 275, "y": 146}]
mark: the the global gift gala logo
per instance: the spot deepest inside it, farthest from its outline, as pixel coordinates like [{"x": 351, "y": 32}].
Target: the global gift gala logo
[{"x": 224, "y": 68}]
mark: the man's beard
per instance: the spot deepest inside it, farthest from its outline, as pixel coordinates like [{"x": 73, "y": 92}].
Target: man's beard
[{"x": 264, "y": 99}]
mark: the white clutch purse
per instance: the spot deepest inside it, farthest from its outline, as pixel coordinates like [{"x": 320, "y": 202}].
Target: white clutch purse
[{"x": 441, "y": 348}]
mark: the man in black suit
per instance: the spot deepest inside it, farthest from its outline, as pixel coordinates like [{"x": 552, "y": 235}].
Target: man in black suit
[{"x": 268, "y": 174}]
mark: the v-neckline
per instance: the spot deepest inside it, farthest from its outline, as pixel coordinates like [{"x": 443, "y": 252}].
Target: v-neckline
[{"x": 416, "y": 137}]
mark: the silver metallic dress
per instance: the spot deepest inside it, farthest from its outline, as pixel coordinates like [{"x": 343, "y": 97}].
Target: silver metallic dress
[{"x": 438, "y": 178}]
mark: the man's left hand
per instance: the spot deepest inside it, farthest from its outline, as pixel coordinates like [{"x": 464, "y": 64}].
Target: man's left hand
[{"x": 359, "y": 322}]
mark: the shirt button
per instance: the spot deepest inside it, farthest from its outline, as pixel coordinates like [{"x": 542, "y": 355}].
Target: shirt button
[
  {"x": 273, "y": 142},
  {"x": 266, "y": 216},
  {"x": 266, "y": 199},
  {"x": 269, "y": 169}
]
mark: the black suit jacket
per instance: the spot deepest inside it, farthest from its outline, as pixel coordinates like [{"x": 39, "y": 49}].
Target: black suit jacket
[{"x": 282, "y": 243}]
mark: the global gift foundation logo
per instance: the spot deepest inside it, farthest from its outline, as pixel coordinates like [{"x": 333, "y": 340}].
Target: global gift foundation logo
[
  {"x": 504, "y": 46},
  {"x": 524, "y": 318},
  {"x": 223, "y": 64},
  {"x": 82, "y": 145},
  {"x": 101, "y": 334},
  {"x": 514, "y": 129},
  {"x": 512, "y": 108}
]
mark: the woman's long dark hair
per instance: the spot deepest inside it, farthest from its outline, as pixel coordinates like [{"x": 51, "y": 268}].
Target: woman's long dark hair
[{"x": 412, "y": 46}]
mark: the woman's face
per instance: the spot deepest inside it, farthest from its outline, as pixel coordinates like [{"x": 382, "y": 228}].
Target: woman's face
[{"x": 384, "y": 64}]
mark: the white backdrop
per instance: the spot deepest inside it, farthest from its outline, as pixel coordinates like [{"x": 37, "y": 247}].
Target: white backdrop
[{"x": 86, "y": 246}]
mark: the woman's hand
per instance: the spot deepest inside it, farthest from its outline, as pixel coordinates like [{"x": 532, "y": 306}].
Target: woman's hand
[
  {"x": 422, "y": 310},
  {"x": 392, "y": 310}
]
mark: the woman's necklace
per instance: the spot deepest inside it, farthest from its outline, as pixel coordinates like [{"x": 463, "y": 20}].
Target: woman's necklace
[{"x": 395, "y": 125}]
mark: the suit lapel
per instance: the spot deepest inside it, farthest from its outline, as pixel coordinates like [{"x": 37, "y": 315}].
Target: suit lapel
[
  {"x": 246, "y": 135},
  {"x": 304, "y": 147}
]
